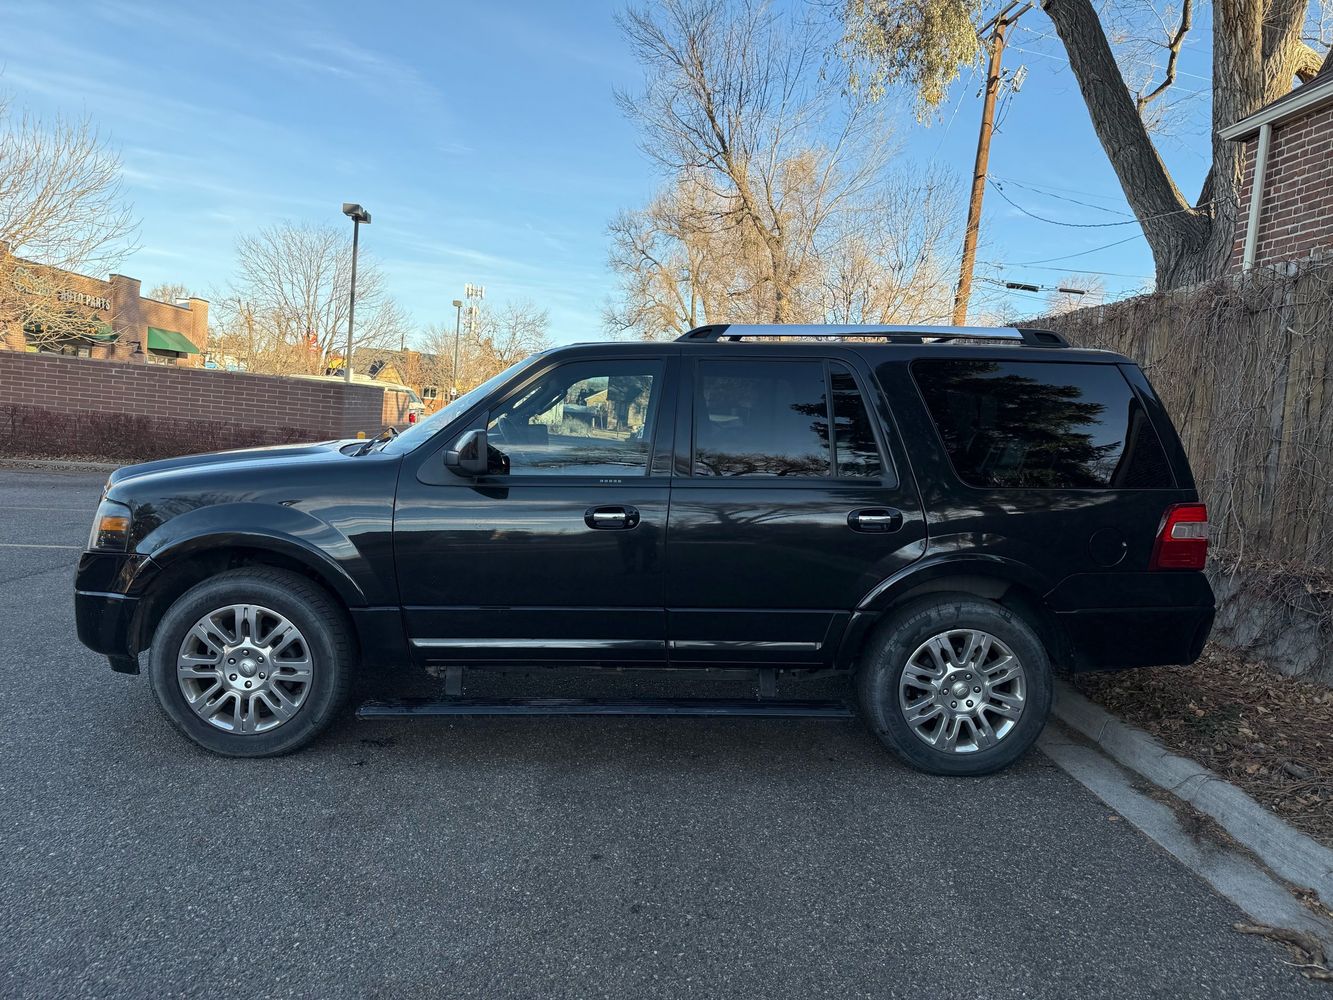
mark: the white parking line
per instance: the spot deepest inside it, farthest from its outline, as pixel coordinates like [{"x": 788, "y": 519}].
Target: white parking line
[
  {"x": 76, "y": 510},
  {"x": 31, "y": 545}
]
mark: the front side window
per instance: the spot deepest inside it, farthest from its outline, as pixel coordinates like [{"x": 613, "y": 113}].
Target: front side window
[
  {"x": 1042, "y": 425},
  {"x": 582, "y": 419}
]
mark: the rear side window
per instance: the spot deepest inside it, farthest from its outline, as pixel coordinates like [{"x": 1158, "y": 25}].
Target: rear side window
[
  {"x": 761, "y": 418},
  {"x": 1042, "y": 425},
  {"x": 795, "y": 419},
  {"x": 853, "y": 436}
]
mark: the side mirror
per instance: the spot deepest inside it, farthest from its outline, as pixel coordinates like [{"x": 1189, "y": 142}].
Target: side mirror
[{"x": 469, "y": 455}]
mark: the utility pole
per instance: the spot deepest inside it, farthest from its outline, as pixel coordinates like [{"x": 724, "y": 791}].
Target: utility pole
[
  {"x": 458, "y": 325},
  {"x": 999, "y": 28}
]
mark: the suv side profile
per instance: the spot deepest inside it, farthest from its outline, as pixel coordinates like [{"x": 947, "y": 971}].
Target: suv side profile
[{"x": 943, "y": 514}]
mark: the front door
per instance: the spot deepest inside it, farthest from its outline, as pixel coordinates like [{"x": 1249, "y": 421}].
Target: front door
[
  {"x": 791, "y": 503},
  {"x": 559, "y": 558}
]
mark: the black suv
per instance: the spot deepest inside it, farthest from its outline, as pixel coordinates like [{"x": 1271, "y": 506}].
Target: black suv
[{"x": 941, "y": 513}]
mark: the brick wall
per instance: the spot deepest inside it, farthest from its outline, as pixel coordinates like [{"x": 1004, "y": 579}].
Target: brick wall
[
  {"x": 1296, "y": 213},
  {"x": 264, "y": 406}
]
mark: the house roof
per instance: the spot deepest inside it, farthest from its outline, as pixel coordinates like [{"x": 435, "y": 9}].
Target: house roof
[{"x": 1307, "y": 97}]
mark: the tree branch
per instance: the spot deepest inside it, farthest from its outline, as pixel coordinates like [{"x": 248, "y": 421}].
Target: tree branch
[{"x": 1173, "y": 49}]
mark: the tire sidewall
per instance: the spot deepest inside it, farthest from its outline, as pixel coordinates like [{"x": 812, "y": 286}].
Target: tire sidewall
[
  {"x": 880, "y": 676},
  {"x": 321, "y": 702}
]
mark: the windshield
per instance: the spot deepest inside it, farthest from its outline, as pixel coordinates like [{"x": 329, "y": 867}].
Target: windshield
[{"x": 418, "y": 433}]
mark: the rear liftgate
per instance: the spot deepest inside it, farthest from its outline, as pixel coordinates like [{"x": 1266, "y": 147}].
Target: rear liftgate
[{"x": 766, "y": 704}]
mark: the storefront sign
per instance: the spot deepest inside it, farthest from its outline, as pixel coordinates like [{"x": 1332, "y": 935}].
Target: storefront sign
[{"x": 83, "y": 299}]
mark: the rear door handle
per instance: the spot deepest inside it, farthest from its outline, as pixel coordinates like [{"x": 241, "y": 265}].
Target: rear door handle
[
  {"x": 875, "y": 519},
  {"x": 611, "y": 518}
]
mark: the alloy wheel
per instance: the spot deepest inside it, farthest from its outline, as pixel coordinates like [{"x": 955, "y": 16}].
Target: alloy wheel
[
  {"x": 244, "y": 669},
  {"x": 962, "y": 691}
]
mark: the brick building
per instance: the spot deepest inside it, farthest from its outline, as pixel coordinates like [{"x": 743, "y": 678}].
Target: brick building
[
  {"x": 1286, "y": 196},
  {"x": 116, "y": 321}
]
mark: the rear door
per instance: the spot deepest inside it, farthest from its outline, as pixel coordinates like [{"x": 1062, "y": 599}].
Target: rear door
[{"x": 789, "y": 505}]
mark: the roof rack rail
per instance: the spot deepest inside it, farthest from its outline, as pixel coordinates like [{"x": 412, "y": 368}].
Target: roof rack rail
[{"x": 918, "y": 334}]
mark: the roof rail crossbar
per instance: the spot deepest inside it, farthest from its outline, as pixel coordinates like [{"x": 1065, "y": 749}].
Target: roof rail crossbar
[{"x": 914, "y": 334}]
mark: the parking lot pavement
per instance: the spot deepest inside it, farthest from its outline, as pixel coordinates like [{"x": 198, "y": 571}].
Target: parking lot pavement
[{"x": 545, "y": 857}]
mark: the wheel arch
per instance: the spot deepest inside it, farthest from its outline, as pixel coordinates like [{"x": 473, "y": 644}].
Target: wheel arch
[
  {"x": 193, "y": 561},
  {"x": 1006, "y": 582}
]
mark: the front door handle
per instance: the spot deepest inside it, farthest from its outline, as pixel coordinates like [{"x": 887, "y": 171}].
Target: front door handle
[
  {"x": 611, "y": 518},
  {"x": 875, "y": 519}
]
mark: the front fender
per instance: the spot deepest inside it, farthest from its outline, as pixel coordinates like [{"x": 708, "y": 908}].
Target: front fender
[{"x": 294, "y": 534}]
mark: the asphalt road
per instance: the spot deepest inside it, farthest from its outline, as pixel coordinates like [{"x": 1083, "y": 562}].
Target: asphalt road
[{"x": 546, "y": 857}]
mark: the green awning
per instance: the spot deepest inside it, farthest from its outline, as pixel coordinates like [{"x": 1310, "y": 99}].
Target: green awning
[
  {"x": 101, "y": 333},
  {"x": 169, "y": 340}
]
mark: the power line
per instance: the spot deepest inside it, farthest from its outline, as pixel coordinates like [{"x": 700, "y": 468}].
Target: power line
[
  {"x": 1095, "y": 225},
  {"x": 1049, "y": 193},
  {"x": 1081, "y": 253},
  {"x": 999, "y": 188},
  {"x": 1071, "y": 270},
  {"x": 1139, "y": 61}
]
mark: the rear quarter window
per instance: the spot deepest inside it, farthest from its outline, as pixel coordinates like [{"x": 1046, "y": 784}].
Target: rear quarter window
[{"x": 1042, "y": 425}]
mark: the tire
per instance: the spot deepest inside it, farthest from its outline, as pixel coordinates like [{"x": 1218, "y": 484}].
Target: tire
[
  {"x": 285, "y": 706},
  {"x": 898, "y": 671}
]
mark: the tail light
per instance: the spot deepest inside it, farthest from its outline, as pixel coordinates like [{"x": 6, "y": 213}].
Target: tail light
[
  {"x": 1182, "y": 540},
  {"x": 411, "y": 418}
]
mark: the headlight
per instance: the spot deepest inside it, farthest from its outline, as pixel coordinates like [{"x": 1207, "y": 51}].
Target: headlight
[{"x": 111, "y": 527}]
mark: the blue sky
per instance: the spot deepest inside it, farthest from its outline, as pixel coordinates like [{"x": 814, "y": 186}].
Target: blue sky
[{"x": 485, "y": 140}]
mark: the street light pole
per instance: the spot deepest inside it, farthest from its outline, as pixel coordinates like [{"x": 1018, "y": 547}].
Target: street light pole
[
  {"x": 458, "y": 323},
  {"x": 358, "y": 215}
]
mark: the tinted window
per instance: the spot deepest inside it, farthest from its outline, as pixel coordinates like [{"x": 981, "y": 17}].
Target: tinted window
[
  {"x": 1042, "y": 425},
  {"x": 853, "y": 435},
  {"x": 761, "y": 418},
  {"x": 585, "y": 419}
]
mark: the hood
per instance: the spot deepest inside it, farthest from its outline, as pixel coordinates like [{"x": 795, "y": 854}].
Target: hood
[{"x": 286, "y": 454}]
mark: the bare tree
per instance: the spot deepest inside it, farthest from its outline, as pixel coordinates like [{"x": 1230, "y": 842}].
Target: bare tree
[
  {"x": 1259, "y": 50},
  {"x": 169, "y": 291},
  {"x": 505, "y": 335},
  {"x": 61, "y": 209},
  {"x": 296, "y": 277},
  {"x": 499, "y": 336},
  {"x": 732, "y": 102}
]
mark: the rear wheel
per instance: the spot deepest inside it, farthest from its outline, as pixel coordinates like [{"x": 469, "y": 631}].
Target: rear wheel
[
  {"x": 956, "y": 685},
  {"x": 252, "y": 662}
]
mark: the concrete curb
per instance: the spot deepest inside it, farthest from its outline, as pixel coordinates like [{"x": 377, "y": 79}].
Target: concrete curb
[
  {"x": 56, "y": 465},
  {"x": 1288, "y": 853}
]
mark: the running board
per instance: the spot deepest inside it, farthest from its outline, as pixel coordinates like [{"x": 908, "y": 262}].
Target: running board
[{"x": 424, "y": 707}]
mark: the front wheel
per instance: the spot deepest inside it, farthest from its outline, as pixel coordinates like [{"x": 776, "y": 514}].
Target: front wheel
[
  {"x": 956, "y": 685},
  {"x": 252, "y": 662}
]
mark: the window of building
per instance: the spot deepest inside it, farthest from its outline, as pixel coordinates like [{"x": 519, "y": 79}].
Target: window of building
[
  {"x": 1042, "y": 425},
  {"x": 430, "y": 392},
  {"x": 581, "y": 419}
]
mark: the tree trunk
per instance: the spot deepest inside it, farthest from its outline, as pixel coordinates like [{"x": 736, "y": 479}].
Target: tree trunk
[{"x": 1255, "y": 58}]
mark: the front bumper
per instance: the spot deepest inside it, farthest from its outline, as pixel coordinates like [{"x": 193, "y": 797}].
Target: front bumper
[
  {"x": 104, "y": 622},
  {"x": 105, "y": 603}
]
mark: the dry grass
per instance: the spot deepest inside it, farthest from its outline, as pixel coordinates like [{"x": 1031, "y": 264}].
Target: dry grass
[{"x": 1272, "y": 735}]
